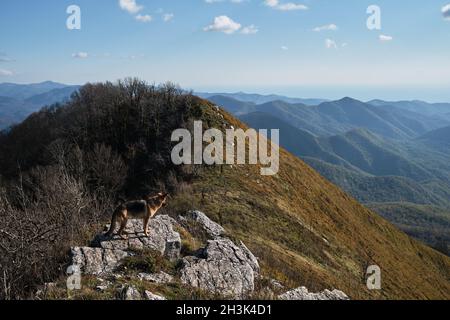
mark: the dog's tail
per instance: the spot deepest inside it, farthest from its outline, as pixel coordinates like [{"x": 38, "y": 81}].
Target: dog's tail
[{"x": 114, "y": 221}]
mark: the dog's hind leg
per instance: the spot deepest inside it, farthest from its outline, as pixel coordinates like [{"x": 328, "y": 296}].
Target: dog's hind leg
[
  {"x": 113, "y": 225},
  {"x": 123, "y": 225},
  {"x": 146, "y": 221}
]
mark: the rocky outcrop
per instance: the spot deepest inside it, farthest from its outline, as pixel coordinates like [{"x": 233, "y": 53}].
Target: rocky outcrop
[
  {"x": 162, "y": 237},
  {"x": 224, "y": 268},
  {"x": 105, "y": 253},
  {"x": 302, "y": 293},
  {"x": 212, "y": 229}
]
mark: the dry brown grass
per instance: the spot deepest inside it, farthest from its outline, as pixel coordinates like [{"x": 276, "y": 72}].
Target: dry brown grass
[{"x": 307, "y": 231}]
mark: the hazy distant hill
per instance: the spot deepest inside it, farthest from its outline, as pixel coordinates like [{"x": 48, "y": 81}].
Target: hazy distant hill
[
  {"x": 379, "y": 189},
  {"x": 234, "y": 106},
  {"x": 53, "y": 96},
  {"x": 17, "y": 101},
  {"x": 25, "y": 91},
  {"x": 337, "y": 117},
  {"x": 299, "y": 142},
  {"x": 260, "y": 99},
  {"x": 416, "y": 106},
  {"x": 439, "y": 136},
  {"x": 357, "y": 148},
  {"x": 10, "y": 110}
]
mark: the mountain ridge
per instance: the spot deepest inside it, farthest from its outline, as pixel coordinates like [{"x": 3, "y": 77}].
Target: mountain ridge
[{"x": 335, "y": 117}]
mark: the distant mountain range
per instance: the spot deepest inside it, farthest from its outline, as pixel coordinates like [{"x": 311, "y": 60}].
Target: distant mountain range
[
  {"x": 416, "y": 106},
  {"x": 336, "y": 117},
  {"x": 17, "y": 101},
  {"x": 260, "y": 99},
  {"x": 388, "y": 155}
]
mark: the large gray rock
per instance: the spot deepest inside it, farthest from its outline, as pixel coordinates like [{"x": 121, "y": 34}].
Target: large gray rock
[
  {"x": 224, "y": 268},
  {"x": 212, "y": 229},
  {"x": 162, "y": 237},
  {"x": 106, "y": 252},
  {"x": 302, "y": 293},
  {"x": 96, "y": 261}
]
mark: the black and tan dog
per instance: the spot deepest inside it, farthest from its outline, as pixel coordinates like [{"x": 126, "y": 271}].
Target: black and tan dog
[{"x": 141, "y": 209}]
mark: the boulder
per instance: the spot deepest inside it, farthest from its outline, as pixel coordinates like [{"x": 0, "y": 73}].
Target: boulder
[
  {"x": 302, "y": 293},
  {"x": 223, "y": 268},
  {"x": 212, "y": 229},
  {"x": 105, "y": 253},
  {"x": 162, "y": 237},
  {"x": 96, "y": 261}
]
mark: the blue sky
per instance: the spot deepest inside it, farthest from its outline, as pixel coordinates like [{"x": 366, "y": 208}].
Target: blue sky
[{"x": 230, "y": 45}]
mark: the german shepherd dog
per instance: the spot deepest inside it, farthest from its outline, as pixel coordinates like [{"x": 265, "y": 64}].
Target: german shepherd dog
[{"x": 141, "y": 209}]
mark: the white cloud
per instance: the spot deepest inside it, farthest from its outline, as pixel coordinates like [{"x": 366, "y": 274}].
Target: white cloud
[
  {"x": 284, "y": 48},
  {"x": 130, "y": 5},
  {"x": 143, "y": 18},
  {"x": 446, "y": 12},
  {"x": 80, "y": 55},
  {"x": 289, "y": 6},
  {"x": 327, "y": 27},
  {"x": 251, "y": 29},
  {"x": 6, "y": 73},
  {"x": 330, "y": 44},
  {"x": 168, "y": 17},
  {"x": 223, "y": 24},
  {"x": 271, "y": 3},
  {"x": 385, "y": 38}
]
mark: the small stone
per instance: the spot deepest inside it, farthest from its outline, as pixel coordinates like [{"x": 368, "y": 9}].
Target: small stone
[
  {"x": 276, "y": 285},
  {"x": 101, "y": 288},
  {"x": 130, "y": 293},
  {"x": 159, "y": 278},
  {"x": 153, "y": 297},
  {"x": 302, "y": 293}
]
